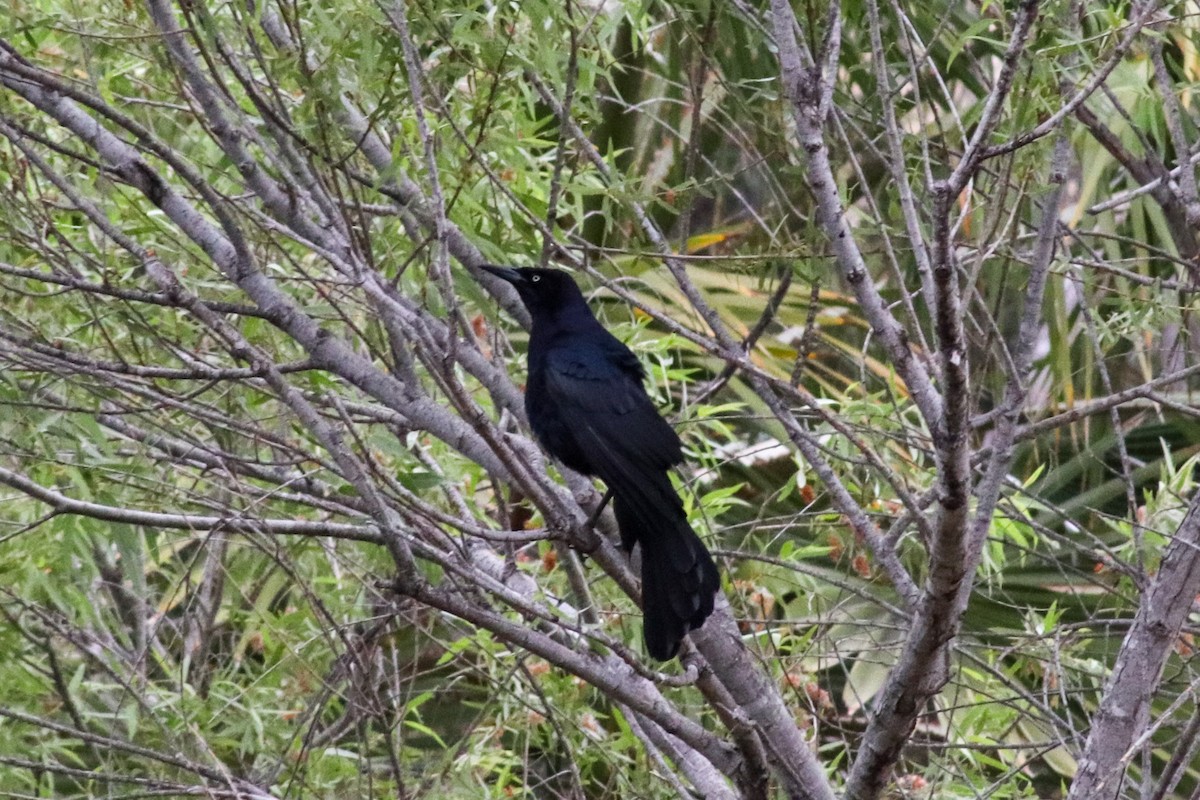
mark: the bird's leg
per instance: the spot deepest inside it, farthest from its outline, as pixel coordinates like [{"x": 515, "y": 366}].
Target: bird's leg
[
  {"x": 595, "y": 517},
  {"x": 510, "y": 562}
]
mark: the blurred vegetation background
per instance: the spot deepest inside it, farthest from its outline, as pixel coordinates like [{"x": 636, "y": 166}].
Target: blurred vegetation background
[{"x": 188, "y": 656}]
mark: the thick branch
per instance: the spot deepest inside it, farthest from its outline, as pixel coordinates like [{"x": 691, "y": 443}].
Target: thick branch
[
  {"x": 922, "y": 670},
  {"x": 1124, "y": 713},
  {"x": 803, "y": 90}
]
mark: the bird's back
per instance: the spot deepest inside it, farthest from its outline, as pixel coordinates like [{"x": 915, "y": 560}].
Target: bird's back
[{"x": 587, "y": 405}]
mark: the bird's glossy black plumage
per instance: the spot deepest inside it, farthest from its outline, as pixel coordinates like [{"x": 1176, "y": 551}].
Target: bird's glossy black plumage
[{"x": 588, "y": 408}]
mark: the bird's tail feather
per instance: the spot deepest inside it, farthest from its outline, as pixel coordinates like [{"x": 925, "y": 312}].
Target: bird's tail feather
[{"x": 679, "y": 578}]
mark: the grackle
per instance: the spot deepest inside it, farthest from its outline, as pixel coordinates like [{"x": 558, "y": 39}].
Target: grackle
[{"x": 588, "y": 408}]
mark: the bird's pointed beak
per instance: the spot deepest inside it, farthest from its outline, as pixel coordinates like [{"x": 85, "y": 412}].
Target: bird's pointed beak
[{"x": 504, "y": 273}]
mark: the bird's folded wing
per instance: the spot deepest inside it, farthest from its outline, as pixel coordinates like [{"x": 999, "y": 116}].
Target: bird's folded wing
[{"x": 601, "y": 399}]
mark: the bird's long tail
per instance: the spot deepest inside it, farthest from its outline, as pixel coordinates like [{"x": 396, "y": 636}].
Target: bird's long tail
[{"x": 679, "y": 578}]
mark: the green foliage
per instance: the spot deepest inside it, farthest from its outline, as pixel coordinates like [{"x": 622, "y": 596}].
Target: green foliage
[{"x": 287, "y": 658}]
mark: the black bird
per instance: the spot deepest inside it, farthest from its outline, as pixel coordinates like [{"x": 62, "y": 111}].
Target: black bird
[{"x": 588, "y": 408}]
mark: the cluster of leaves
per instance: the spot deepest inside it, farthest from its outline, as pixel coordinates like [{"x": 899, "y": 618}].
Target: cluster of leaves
[{"x": 198, "y": 585}]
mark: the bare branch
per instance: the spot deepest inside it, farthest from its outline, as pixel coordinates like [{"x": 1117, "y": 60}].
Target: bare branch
[{"x": 1124, "y": 713}]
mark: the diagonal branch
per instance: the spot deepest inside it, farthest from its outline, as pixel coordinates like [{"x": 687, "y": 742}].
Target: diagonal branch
[
  {"x": 1124, "y": 712},
  {"x": 808, "y": 95},
  {"x": 922, "y": 670}
]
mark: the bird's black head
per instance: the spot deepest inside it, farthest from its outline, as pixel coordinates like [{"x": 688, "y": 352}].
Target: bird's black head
[{"x": 545, "y": 292}]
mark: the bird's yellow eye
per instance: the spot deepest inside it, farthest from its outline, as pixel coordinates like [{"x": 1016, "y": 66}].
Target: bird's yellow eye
[{"x": 536, "y": 278}]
